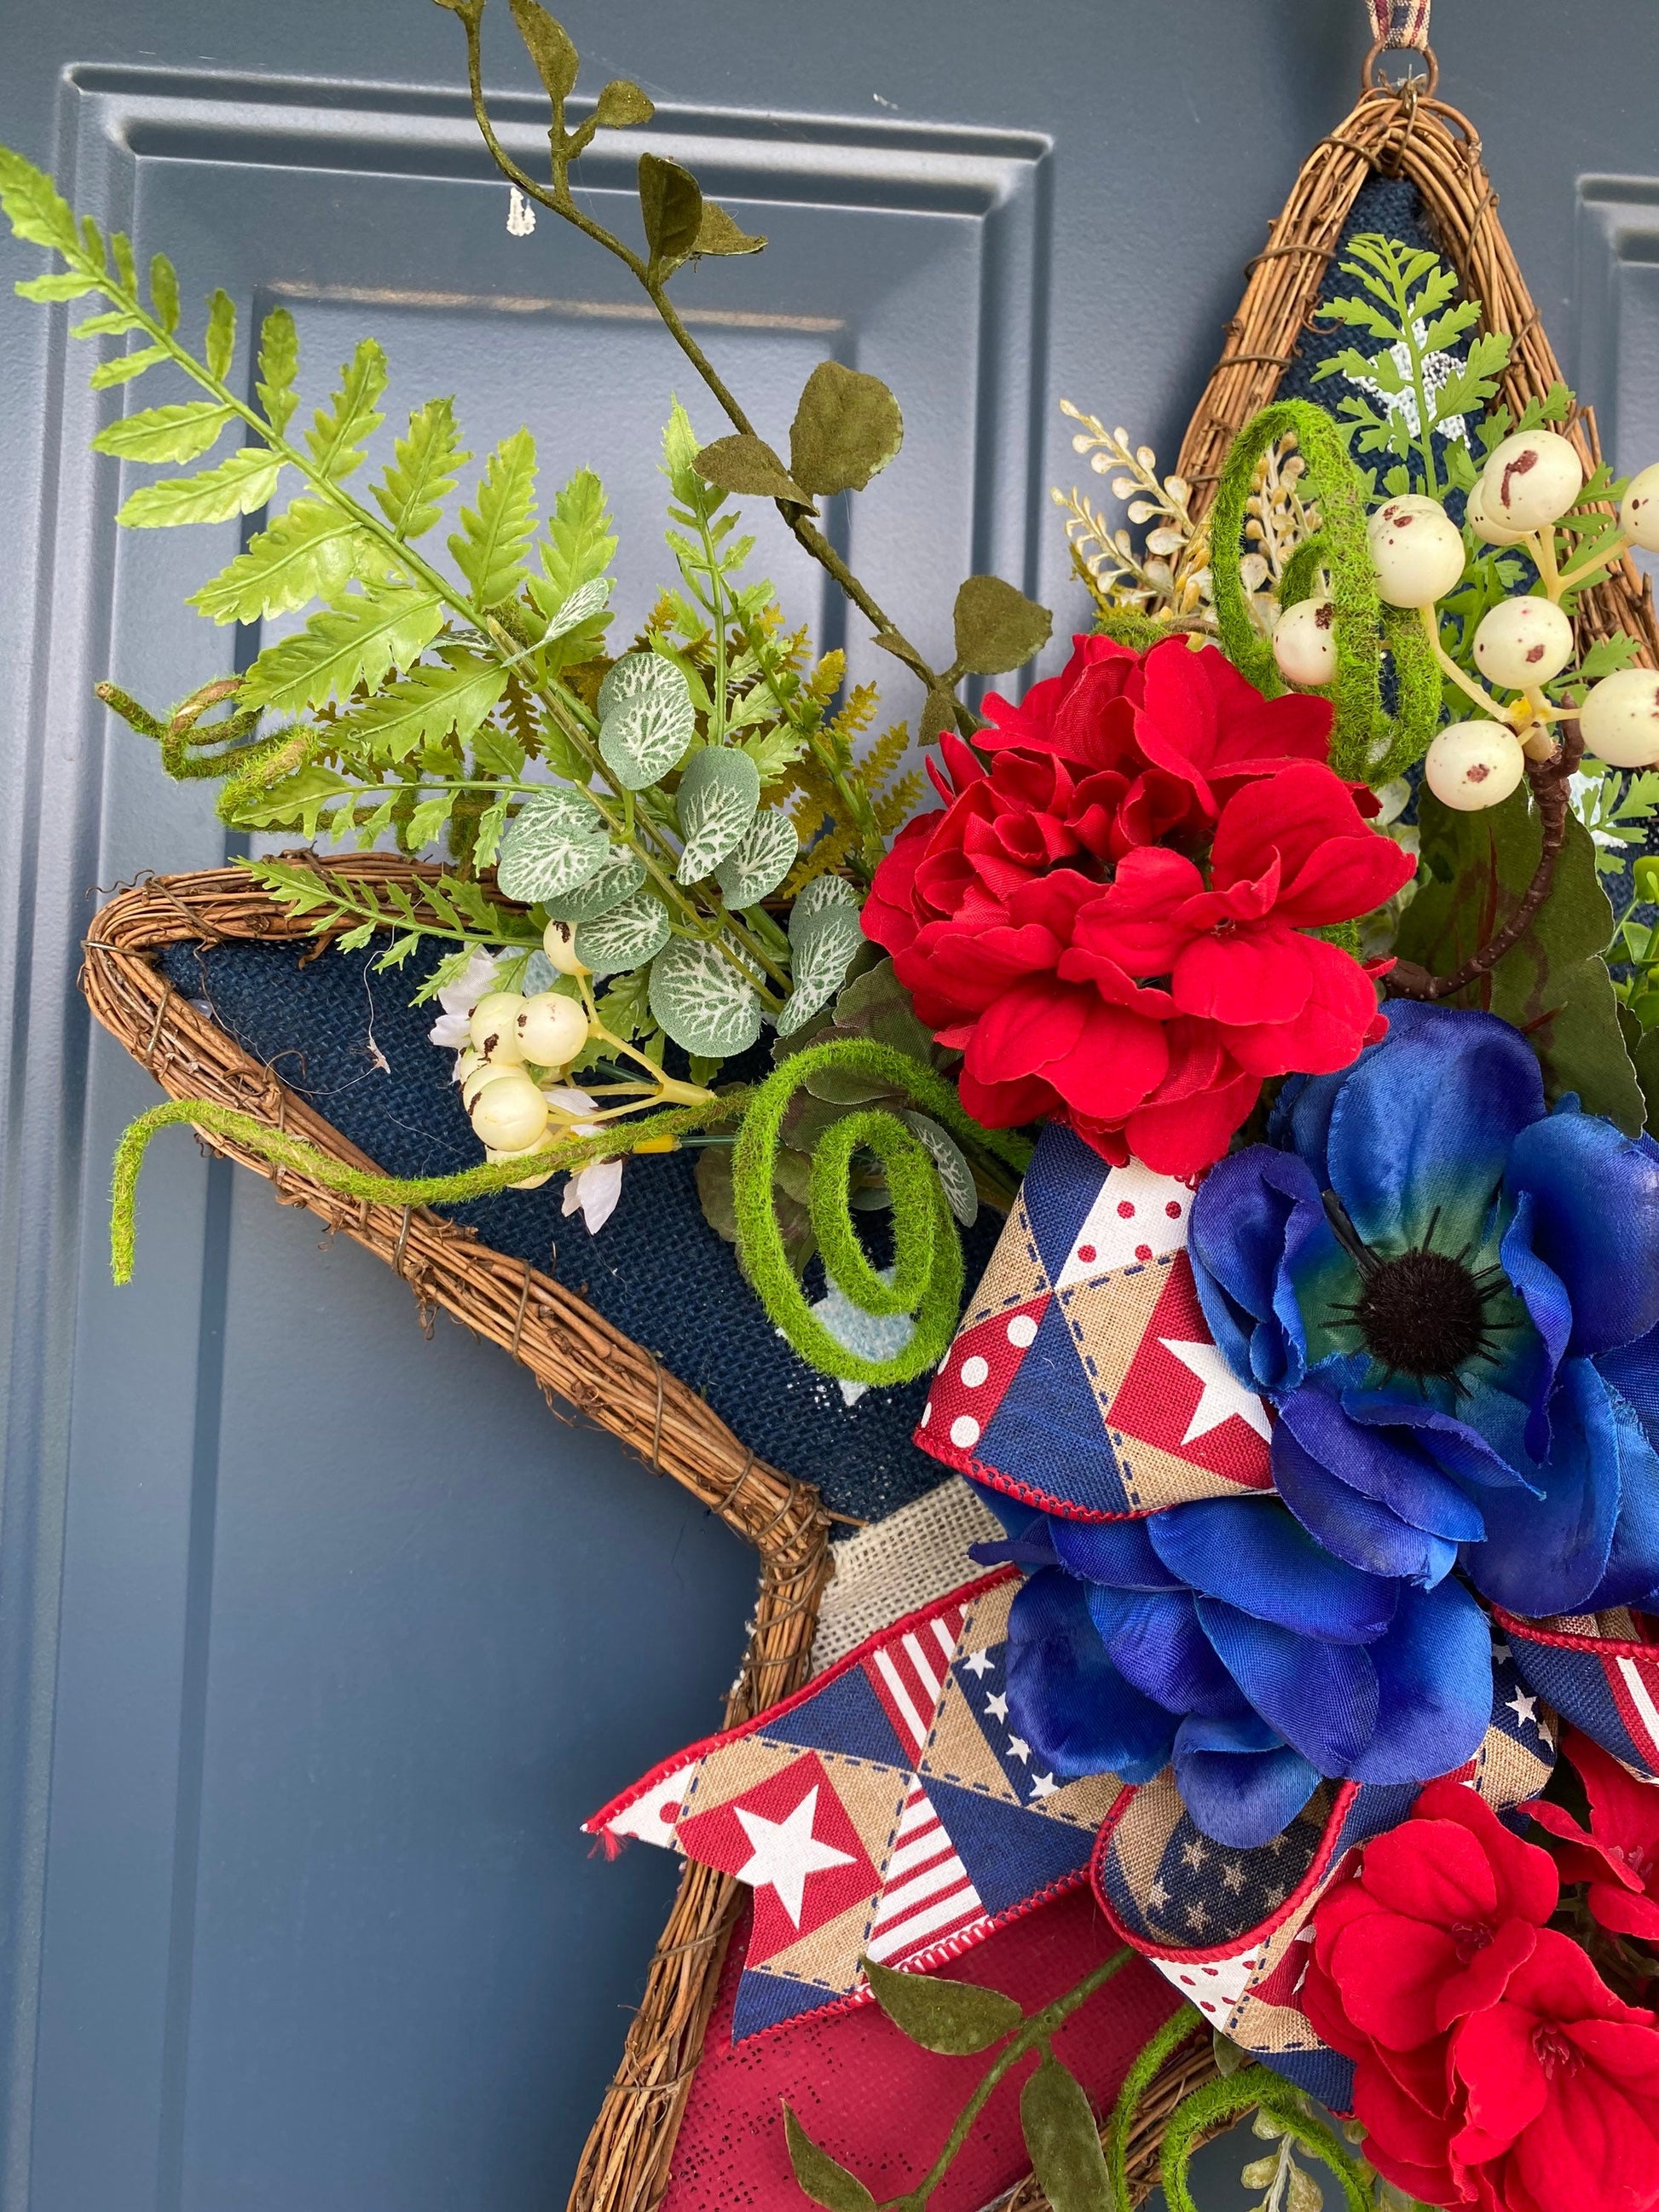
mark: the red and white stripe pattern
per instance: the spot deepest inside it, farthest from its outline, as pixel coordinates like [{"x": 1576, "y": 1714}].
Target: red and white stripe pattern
[
  {"x": 926, "y": 1898},
  {"x": 1631, "y": 1683},
  {"x": 908, "y": 1675}
]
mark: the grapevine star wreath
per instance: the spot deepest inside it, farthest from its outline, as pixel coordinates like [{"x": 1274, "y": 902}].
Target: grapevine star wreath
[{"x": 1207, "y": 1107}]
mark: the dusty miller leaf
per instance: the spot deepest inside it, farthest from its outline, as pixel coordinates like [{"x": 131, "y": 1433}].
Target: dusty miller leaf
[
  {"x": 1553, "y": 985},
  {"x": 719, "y": 794},
  {"x": 824, "y": 2181},
  {"x": 1064, "y": 2142},
  {"x": 646, "y": 720},
  {"x": 306, "y": 554},
  {"x": 183, "y": 432},
  {"x": 626, "y": 937},
  {"x": 555, "y": 842},
  {"x": 747, "y": 466},
  {"x": 424, "y": 465},
  {"x": 846, "y": 429},
  {"x": 998, "y": 628},
  {"x": 699, "y": 1001},
  {"x": 242, "y": 483},
  {"x": 756, "y": 867},
  {"x": 953, "y": 2018},
  {"x": 359, "y": 642},
  {"x": 670, "y": 207},
  {"x": 618, "y": 879},
  {"x": 490, "y": 546},
  {"x": 550, "y": 48}
]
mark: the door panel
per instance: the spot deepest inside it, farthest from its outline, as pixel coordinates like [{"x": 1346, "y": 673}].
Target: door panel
[{"x": 316, "y": 1639}]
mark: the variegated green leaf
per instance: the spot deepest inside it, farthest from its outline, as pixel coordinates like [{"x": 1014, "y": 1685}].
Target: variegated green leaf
[
  {"x": 435, "y": 700},
  {"x": 359, "y": 642},
  {"x": 646, "y": 720},
  {"x": 951, "y": 1162},
  {"x": 618, "y": 879},
  {"x": 699, "y": 1001},
  {"x": 165, "y": 434},
  {"x": 625, "y": 937},
  {"x": 490, "y": 546},
  {"x": 555, "y": 842},
  {"x": 425, "y": 463},
  {"x": 241, "y": 483},
  {"x": 340, "y": 431},
  {"x": 717, "y": 797},
  {"x": 760, "y": 864},
  {"x": 306, "y": 554},
  {"x": 584, "y": 603},
  {"x": 824, "y": 934}
]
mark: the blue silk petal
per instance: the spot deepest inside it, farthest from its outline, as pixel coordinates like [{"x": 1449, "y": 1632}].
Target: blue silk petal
[
  {"x": 1423, "y": 1123},
  {"x": 1632, "y": 1569},
  {"x": 1633, "y": 1371},
  {"x": 1254, "y": 1554},
  {"x": 1321, "y": 1698},
  {"x": 1546, "y": 1554},
  {"x": 1434, "y": 1687},
  {"x": 1153, "y": 1638},
  {"x": 1384, "y": 1461},
  {"x": 1256, "y": 1214},
  {"x": 1116, "y": 1553},
  {"x": 1068, "y": 1701},
  {"x": 1488, "y": 1447},
  {"x": 1549, "y": 1308},
  {"x": 1595, "y": 1221},
  {"x": 1355, "y": 1528},
  {"x": 1239, "y": 1782}
]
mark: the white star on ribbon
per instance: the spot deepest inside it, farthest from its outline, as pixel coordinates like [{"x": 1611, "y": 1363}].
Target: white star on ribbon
[
  {"x": 1523, "y": 1707},
  {"x": 784, "y": 1853},
  {"x": 1222, "y": 1394}
]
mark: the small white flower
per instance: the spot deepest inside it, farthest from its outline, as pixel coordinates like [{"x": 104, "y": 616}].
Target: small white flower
[
  {"x": 520, "y": 214},
  {"x": 458, "y": 998},
  {"x": 592, "y": 1191}
]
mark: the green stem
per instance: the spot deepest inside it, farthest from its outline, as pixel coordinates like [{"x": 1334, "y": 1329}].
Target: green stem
[
  {"x": 285, "y": 1150},
  {"x": 1180, "y": 2026},
  {"x": 1037, "y": 2030}
]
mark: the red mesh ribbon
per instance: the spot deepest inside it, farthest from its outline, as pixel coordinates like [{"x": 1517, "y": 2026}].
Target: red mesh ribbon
[{"x": 1400, "y": 22}]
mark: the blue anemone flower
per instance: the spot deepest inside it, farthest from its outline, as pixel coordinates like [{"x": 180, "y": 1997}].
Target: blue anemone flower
[
  {"x": 1450, "y": 1294},
  {"x": 1218, "y": 1636}
]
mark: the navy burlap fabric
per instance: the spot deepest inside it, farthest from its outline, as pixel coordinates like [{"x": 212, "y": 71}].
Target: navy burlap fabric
[{"x": 656, "y": 1270}]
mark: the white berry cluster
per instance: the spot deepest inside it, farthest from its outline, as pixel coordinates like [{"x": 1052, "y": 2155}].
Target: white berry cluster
[
  {"x": 1530, "y": 481},
  {"x": 521, "y": 1049}
]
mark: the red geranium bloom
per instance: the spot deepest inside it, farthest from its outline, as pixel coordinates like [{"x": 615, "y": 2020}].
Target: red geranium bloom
[{"x": 1620, "y": 1856}]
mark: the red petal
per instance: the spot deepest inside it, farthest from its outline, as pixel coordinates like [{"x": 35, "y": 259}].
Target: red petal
[
  {"x": 1505, "y": 2087},
  {"x": 1623, "y": 1914},
  {"x": 1337, "y": 1020},
  {"x": 1388, "y": 1969},
  {"x": 1185, "y": 1135},
  {"x": 1117, "y": 1059},
  {"x": 1008, "y": 1105},
  {"x": 1257, "y": 973},
  {"x": 1026, "y": 1030},
  {"x": 1487, "y": 1975},
  {"x": 1528, "y": 1888},
  {"x": 1406, "y": 2145},
  {"x": 1132, "y": 920},
  {"x": 1623, "y": 1811},
  {"x": 1594, "y": 2147},
  {"x": 1433, "y": 1870}
]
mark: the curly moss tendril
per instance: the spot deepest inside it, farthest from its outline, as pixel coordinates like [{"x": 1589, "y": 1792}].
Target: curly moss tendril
[
  {"x": 927, "y": 1254},
  {"x": 284, "y": 1151},
  {"x": 1180, "y": 2027},
  {"x": 1255, "y": 2087},
  {"x": 1367, "y": 742}
]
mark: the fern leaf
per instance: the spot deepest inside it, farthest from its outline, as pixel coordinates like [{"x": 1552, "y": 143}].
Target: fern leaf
[
  {"x": 424, "y": 465},
  {"x": 494, "y": 537},
  {"x": 894, "y": 808},
  {"x": 241, "y": 483},
  {"x": 279, "y": 366},
  {"x": 339, "y": 431},
  {"x": 580, "y": 542},
  {"x": 359, "y": 642},
  {"x": 219, "y": 347},
  {"x": 165, "y": 434},
  {"x": 306, "y": 554},
  {"x": 432, "y": 702},
  {"x": 297, "y": 802},
  {"x": 125, "y": 367},
  {"x": 71, "y": 284},
  {"x": 37, "y": 211}
]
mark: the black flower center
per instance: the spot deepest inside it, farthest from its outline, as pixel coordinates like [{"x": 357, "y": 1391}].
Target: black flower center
[{"x": 1421, "y": 1313}]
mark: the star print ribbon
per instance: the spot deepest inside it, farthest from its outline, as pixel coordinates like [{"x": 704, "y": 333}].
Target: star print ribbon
[
  {"x": 1601, "y": 1671},
  {"x": 1084, "y": 1379}
]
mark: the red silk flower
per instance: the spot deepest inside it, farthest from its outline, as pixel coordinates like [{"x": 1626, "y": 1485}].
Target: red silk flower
[
  {"x": 1620, "y": 1856},
  {"x": 1052, "y": 924},
  {"x": 1493, "y": 2066}
]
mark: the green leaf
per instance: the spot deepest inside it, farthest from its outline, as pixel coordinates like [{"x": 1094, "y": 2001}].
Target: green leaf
[
  {"x": 670, "y": 207},
  {"x": 846, "y": 429},
  {"x": 754, "y": 869},
  {"x": 37, "y": 211},
  {"x": 824, "y": 2181},
  {"x": 298, "y": 801},
  {"x": 241, "y": 483},
  {"x": 619, "y": 878},
  {"x": 580, "y": 543},
  {"x": 1064, "y": 2142},
  {"x": 126, "y": 366},
  {"x": 621, "y": 104},
  {"x": 219, "y": 349},
  {"x": 359, "y": 642},
  {"x": 824, "y": 937},
  {"x": 489, "y": 548},
  {"x": 624, "y": 937},
  {"x": 120, "y": 251},
  {"x": 550, "y": 48},
  {"x": 954, "y": 1172},
  {"x": 339, "y": 431},
  {"x": 279, "y": 366},
  {"x": 1553, "y": 985},
  {"x": 433, "y": 701},
  {"x": 748, "y": 465},
  {"x": 646, "y": 720},
  {"x": 306, "y": 554},
  {"x": 717, "y": 797},
  {"x": 953, "y": 2018},
  {"x": 718, "y": 234},
  {"x": 73, "y": 285},
  {"x": 422, "y": 472},
  {"x": 555, "y": 842},
  {"x": 998, "y": 628},
  {"x": 183, "y": 432},
  {"x": 584, "y": 606},
  {"x": 115, "y": 325},
  {"x": 701, "y": 1001},
  {"x": 164, "y": 291}
]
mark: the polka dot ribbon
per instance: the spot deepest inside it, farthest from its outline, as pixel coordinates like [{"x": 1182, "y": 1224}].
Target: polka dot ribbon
[{"x": 1400, "y": 22}]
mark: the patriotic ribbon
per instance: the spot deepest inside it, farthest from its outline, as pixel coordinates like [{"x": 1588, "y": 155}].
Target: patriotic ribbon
[
  {"x": 1599, "y": 1671},
  {"x": 1400, "y": 22}
]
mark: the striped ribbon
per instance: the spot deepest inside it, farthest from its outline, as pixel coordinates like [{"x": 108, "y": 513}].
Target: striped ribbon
[{"x": 1400, "y": 22}]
